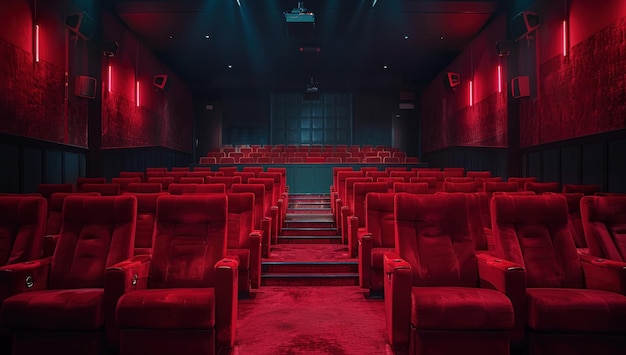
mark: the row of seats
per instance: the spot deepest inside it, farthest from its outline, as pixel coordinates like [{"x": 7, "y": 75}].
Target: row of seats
[
  {"x": 94, "y": 294},
  {"x": 535, "y": 290},
  {"x": 308, "y": 159},
  {"x": 266, "y": 148}
]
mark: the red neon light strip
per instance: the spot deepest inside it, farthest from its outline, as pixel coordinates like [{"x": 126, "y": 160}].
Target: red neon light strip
[
  {"x": 137, "y": 93},
  {"x": 565, "y": 38},
  {"x": 499, "y": 78},
  {"x": 36, "y": 43},
  {"x": 471, "y": 93},
  {"x": 110, "y": 80}
]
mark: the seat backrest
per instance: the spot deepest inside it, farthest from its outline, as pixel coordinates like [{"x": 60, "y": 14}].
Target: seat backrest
[
  {"x": 180, "y": 189},
  {"x": 575, "y": 219},
  {"x": 227, "y": 170},
  {"x": 480, "y": 181},
  {"x": 360, "y": 191},
  {"x": 253, "y": 169},
  {"x": 481, "y": 174},
  {"x": 411, "y": 187},
  {"x": 46, "y": 190},
  {"x": 177, "y": 175},
  {"x": 277, "y": 178},
  {"x": 379, "y": 219},
  {"x": 542, "y": 187},
  {"x": 430, "y": 180},
  {"x": 55, "y": 210},
  {"x": 81, "y": 181},
  {"x": 532, "y": 230},
  {"x": 145, "y": 187},
  {"x": 268, "y": 185},
  {"x": 458, "y": 179},
  {"x": 208, "y": 160},
  {"x": 22, "y": 223},
  {"x": 244, "y": 175},
  {"x": 406, "y": 175},
  {"x": 376, "y": 174},
  {"x": 103, "y": 189},
  {"x": 493, "y": 186},
  {"x": 459, "y": 187},
  {"x": 190, "y": 237},
  {"x": 432, "y": 234},
  {"x": 146, "y": 216},
  {"x": 97, "y": 232},
  {"x": 240, "y": 219},
  {"x": 604, "y": 223},
  {"x": 341, "y": 182},
  {"x": 336, "y": 170},
  {"x": 228, "y": 181},
  {"x": 349, "y": 201},
  {"x": 190, "y": 180},
  {"x": 165, "y": 181},
  {"x": 584, "y": 189},
  {"x": 521, "y": 181},
  {"x": 259, "y": 198},
  {"x": 123, "y": 182}
]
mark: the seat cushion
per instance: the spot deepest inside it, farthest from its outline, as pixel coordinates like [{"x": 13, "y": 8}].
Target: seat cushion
[
  {"x": 377, "y": 257},
  {"x": 577, "y": 310},
  {"x": 459, "y": 308},
  {"x": 175, "y": 308},
  {"x": 74, "y": 309}
]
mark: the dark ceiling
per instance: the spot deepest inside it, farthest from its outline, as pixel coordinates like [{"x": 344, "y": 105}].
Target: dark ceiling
[{"x": 221, "y": 45}]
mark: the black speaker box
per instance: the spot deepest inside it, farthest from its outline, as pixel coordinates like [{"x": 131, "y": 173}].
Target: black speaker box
[
  {"x": 85, "y": 87},
  {"x": 161, "y": 82},
  {"x": 524, "y": 23},
  {"x": 81, "y": 24},
  {"x": 451, "y": 80},
  {"x": 520, "y": 87},
  {"x": 109, "y": 48}
]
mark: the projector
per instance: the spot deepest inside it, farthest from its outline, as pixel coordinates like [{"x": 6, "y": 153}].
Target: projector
[{"x": 300, "y": 22}]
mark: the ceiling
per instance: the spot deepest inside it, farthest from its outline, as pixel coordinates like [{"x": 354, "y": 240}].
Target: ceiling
[{"x": 221, "y": 45}]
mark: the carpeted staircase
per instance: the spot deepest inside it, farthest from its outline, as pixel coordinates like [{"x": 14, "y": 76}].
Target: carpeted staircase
[{"x": 309, "y": 251}]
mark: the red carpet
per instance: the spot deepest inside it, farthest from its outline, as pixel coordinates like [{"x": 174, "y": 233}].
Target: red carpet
[{"x": 311, "y": 320}]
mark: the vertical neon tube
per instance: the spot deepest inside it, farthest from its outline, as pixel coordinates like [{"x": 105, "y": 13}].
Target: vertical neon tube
[
  {"x": 499, "y": 78},
  {"x": 565, "y": 38},
  {"x": 137, "y": 93},
  {"x": 471, "y": 93},
  {"x": 110, "y": 82},
  {"x": 36, "y": 43}
]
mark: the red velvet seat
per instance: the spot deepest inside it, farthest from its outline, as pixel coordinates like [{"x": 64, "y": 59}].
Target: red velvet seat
[
  {"x": 102, "y": 189},
  {"x": 521, "y": 181},
  {"x": 146, "y": 216},
  {"x": 253, "y": 169},
  {"x": 124, "y": 182},
  {"x": 390, "y": 181},
  {"x": 84, "y": 180},
  {"x": 262, "y": 224},
  {"x": 379, "y": 239},
  {"x": 63, "y": 306},
  {"x": 165, "y": 181},
  {"x": 228, "y": 181},
  {"x": 459, "y": 187},
  {"x": 270, "y": 211},
  {"x": 46, "y": 190},
  {"x": 434, "y": 302},
  {"x": 411, "y": 187},
  {"x": 185, "y": 297},
  {"x": 208, "y": 160},
  {"x": 357, "y": 222},
  {"x": 438, "y": 175},
  {"x": 573, "y": 304},
  {"x": 347, "y": 208},
  {"x": 179, "y": 189},
  {"x": 145, "y": 187},
  {"x": 586, "y": 189},
  {"x": 604, "y": 223},
  {"x": 541, "y": 187},
  {"x": 481, "y": 174},
  {"x": 22, "y": 225},
  {"x": 406, "y": 175},
  {"x": 430, "y": 180}
]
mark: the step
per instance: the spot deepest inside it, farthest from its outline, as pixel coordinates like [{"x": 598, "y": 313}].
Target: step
[
  {"x": 321, "y": 210},
  {"x": 308, "y": 217},
  {"x": 309, "y": 267},
  {"x": 290, "y": 231},
  {"x": 309, "y": 239},
  {"x": 305, "y": 196},
  {"x": 310, "y": 279},
  {"x": 309, "y": 205},
  {"x": 311, "y": 224}
]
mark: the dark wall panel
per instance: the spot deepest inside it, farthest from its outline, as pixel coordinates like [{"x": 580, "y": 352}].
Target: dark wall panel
[
  {"x": 570, "y": 165},
  {"x": 593, "y": 164},
  {"x": 550, "y": 165},
  {"x": 470, "y": 158},
  {"x": 32, "y": 168},
  {"x": 534, "y": 164},
  {"x": 10, "y": 163},
  {"x": 617, "y": 165},
  {"x": 138, "y": 159},
  {"x": 71, "y": 168},
  {"x": 53, "y": 167}
]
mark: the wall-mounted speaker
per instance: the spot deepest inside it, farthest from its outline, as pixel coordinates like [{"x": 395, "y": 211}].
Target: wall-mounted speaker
[
  {"x": 505, "y": 47},
  {"x": 109, "y": 48},
  {"x": 524, "y": 23},
  {"x": 161, "y": 82},
  {"x": 451, "y": 80},
  {"x": 85, "y": 87},
  {"x": 81, "y": 24},
  {"x": 520, "y": 87}
]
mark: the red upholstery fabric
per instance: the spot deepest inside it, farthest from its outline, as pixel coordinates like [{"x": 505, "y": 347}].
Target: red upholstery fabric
[
  {"x": 481, "y": 174},
  {"x": 604, "y": 221},
  {"x": 181, "y": 255},
  {"x": 102, "y": 189},
  {"x": 575, "y": 220},
  {"x": 253, "y": 169},
  {"x": 460, "y": 308},
  {"x": 165, "y": 181},
  {"x": 493, "y": 186},
  {"x": 55, "y": 210},
  {"x": 542, "y": 187},
  {"x": 244, "y": 175},
  {"x": 411, "y": 187},
  {"x": 123, "y": 182},
  {"x": 208, "y": 160},
  {"x": 146, "y": 216},
  {"x": 406, "y": 175},
  {"x": 376, "y": 174},
  {"x": 584, "y": 189},
  {"x": 533, "y": 231},
  {"x": 240, "y": 242},
  {"x": 458, "y": 179},
  {"x": 81, "y": 181},
  {"x": 179, "y": 308},
  {"x": 552, "y": 310},
  {"x": 228, "y": 181},
  {"x": 132, "y": 174},
  {"x": 22, "y": 224},
  {"x": 97, "y": 232},
  {"x": 145, "y": 187},
  {"x": 390, "y": 181},
  {"x": 191, "y": 180},
  {"x": 79, "y": 309},
  {"x": 179, "y": 189},
  {"x": 459, "y": 187},
  {"x": 430, "y": 180},
  {"x": 46, "y": 190},
  {"x": 259, "y": 196},
  {"x": 520, "y": 181}
]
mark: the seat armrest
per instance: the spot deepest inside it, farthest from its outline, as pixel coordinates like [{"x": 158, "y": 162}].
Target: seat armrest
[
  {"x": 398, "y": 284},
  {"x": 120, "y": 278},
  {"x": 510, "y": 279},
  {"x": 24, "y": 277},
  {"x": 274, "y": 213},
  {"x": 255, "y": 258},
  {"x": 344, "y": 213},
  {"x": 266, "y": 226},
  {"x": 226, "y": 281},
  {"x": 603, "y": 274},
  {"x": 49, "y": 244},
  {"x": 353, "y": 228},
  {"x": 337, "y": 213},
  {"x": 365, "y": 259}
]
